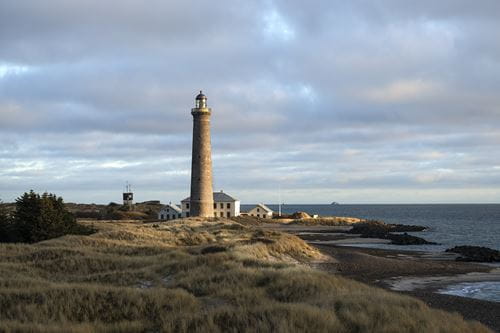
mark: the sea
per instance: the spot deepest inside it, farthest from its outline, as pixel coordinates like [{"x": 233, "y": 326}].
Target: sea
[{"x": 448, "y": 225}]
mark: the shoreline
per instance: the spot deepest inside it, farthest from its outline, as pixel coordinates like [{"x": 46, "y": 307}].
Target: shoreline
[
  {"x": 377, "y": 267},
  {"x": 382, "y": 268}
]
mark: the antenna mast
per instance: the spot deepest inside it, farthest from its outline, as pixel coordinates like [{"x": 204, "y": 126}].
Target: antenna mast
[{"x": 279, "y": 200}]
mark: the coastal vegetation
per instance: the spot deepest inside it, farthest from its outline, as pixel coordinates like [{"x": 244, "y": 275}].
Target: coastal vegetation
[
  {"x": 38, "y": 217},
  {"x": 331, "y": 221},
  {"x": 194, "y": 275},
  {"x": 113, "y": 211}
]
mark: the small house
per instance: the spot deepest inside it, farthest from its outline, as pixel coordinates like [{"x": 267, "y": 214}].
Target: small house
[
  {"x": 261, "y": 211},
  {"x": 169, "y": 212}
]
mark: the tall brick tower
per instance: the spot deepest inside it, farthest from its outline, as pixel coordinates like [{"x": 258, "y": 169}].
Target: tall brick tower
[{"x": 202, "y": 200}]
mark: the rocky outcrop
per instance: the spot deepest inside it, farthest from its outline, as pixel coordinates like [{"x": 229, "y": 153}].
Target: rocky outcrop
[
  {"x": 376, "y": 229},
  {"x": 405, "y": 239},
  {"x": 476, "y": 253},
  {"x": 300, "y": 215}
]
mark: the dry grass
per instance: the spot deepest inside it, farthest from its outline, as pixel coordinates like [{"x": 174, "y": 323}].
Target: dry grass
[
  {"x": 328, "y": 221},
  {"x": 325, "y": 221},
  {"x": 192, "y": 275}
]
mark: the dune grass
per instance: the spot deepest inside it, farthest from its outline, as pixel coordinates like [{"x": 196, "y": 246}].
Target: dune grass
[
  {"x": 192, "y": 275},
  {"x": 328, "y": 221},
  {"x": 332, "y": 221}
]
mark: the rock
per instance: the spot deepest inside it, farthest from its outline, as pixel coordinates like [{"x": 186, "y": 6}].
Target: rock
[
  {"x": 476, "y": 253},
  {"x": 406, "y": 228},
  {"x": 406, "y": 239},
  {"x": 399, "y": 239},
  {"x": 301, "y": 215},
  {"x": 376, "y": 229}
]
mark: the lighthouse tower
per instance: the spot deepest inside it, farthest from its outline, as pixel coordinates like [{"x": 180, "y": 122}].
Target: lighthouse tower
[{"x": 202, "y": 200}]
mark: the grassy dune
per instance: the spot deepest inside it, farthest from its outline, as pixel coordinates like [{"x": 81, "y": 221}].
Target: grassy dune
[
  {"x": 331, "y": 221},
  {"x": 328, "y": 221},
  {"x": 191, "y": 275}
]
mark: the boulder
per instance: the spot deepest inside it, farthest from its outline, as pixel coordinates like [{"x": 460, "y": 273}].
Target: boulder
[{"x": 476, "y": 253}]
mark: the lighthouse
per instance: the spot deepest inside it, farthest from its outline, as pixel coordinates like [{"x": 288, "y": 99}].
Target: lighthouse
[{"x": 201, "y": 200}]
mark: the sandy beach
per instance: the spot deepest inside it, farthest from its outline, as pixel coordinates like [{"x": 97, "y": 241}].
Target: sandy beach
[{"x": 419, "y": 274}]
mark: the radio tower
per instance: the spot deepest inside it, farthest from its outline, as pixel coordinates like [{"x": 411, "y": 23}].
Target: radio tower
[{"x": 128, "y": 196}]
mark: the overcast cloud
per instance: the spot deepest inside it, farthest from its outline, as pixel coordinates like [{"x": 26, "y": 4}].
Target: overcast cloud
[{"x": 349, "y": 101}]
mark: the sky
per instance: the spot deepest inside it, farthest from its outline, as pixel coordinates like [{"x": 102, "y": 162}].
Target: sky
[{"x": 384, "y": 101}]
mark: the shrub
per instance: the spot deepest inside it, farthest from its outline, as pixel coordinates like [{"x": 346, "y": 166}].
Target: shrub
[
  {"x": 40, "y": 217},
  {"x": 213, "y": 249}
]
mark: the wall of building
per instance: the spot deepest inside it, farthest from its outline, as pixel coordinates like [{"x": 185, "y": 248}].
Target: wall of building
[
  {"x": 168, "y": 213},
  {"x": 221, "y": 209}
]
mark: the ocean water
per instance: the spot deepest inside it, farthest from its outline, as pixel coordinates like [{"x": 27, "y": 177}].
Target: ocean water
[
  {"x": 489, "y": 290},
  {"x": 448, "y": 225}
]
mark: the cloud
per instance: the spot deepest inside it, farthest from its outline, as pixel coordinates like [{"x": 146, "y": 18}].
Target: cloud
[
  {"x": 403, "y": 91},
  {"x": 363, "y": 101}
]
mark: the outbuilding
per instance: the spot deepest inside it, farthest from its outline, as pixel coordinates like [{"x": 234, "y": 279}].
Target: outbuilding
[
  {"x": 261, "y": 211},
  {"x": 170, "y": 212}
]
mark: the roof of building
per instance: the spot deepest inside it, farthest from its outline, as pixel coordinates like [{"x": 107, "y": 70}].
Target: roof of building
[
  {"x": 264, "y": 207},
  {"x": 172, "y": 206},
  {"x": 218, "y": 197}
]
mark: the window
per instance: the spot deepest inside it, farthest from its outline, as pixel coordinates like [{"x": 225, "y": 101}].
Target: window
[
  {"x": 221, "y": 214},
  {"x": 258, "y": 209},
  {"x": 168, "y": 210},
  {"x": 215, "y": 214},
  {"x": 221, "y": 205},
  {"x": 258, "y": 215},
  {"x": 161, "y": 217},
  {"x": 215, "y": 205},
  {"x": 228, "y": 206},
  {"x": 263, "y": 216},
  {"x": 228, "y": 214},
  {"x": 173, "y": 216},
  {"x": 168, "y": 216},
  {"x": 187, "y": 206}
]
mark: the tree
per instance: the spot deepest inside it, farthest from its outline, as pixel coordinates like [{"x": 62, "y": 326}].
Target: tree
[
  {"x": 5, "y": 225},
  {"x": 42, "y": 217}
]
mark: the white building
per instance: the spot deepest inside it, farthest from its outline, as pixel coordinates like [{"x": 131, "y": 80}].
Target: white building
[
  {"x": 224, "y": 205},
  {"x": 261, "y": 211},
  {"x": 170, "y": 212}
]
